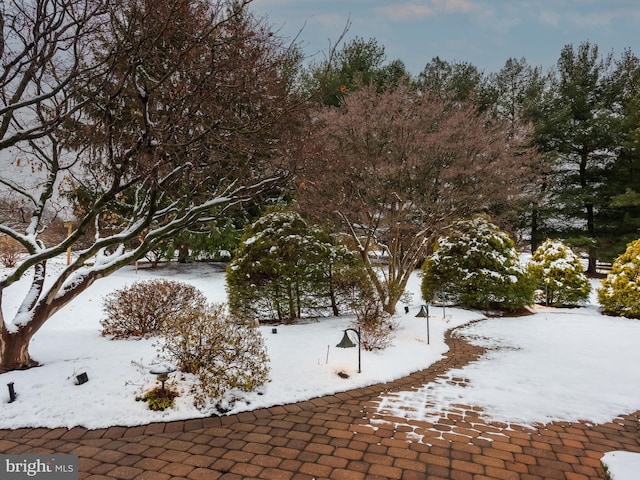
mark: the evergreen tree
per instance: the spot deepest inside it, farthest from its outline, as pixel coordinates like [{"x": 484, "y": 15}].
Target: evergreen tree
[
  {"x": 359, "y": 63},
  {"x": 455, "y": 81},
  {"x": 580, "y": 129},
  {"x": 515, "y": 94},
  {"x": 620, "y": 217},
  {"x": 560, "y": 274},
  {"x": 286, "y": 270},
  {"x": 620, "y": 291},
  {"x": 477, "y": 266}
]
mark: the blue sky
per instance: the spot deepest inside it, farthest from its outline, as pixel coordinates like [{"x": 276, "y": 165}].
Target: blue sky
[{"x": 483, "y": 32}]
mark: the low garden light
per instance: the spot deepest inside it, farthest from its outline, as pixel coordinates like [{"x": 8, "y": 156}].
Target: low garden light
[
  {"x": 347, "y": 343},
  {"x": 12, "y": 392},
  {"x": 162, "y": 373},
  {"x": 424, "y": 313}
]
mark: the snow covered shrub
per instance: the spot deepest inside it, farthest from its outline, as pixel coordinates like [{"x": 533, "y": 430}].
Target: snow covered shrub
[
  {"x": 140, "y": 309},
  {"x": 477, "y": 266},
  {"x": 221, "y": 353},
  {"x": 559, "y": 274},
  {"x": 284, "y": 270},
  {"x": 620, "y": 291}
]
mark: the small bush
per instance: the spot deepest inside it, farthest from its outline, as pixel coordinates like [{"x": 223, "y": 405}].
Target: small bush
[
  {"x": 377, "y": 327},
  {"x": 141, "y": 309},
  {"x": 9, "y": 251},
  {"x": 223, "y": 354},
  {"x": 620, "y": 291},
  {"x": 559, "y": 274},
  {"x": 159, "y": 399}
]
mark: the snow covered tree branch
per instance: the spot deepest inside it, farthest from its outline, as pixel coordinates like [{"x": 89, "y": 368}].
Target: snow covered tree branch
[{"x": 188, "y": 112}]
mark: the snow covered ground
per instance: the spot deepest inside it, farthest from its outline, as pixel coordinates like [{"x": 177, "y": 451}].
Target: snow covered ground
[{"x": 558, "y": 364}]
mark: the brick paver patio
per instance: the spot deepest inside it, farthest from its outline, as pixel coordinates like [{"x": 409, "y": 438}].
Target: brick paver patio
[{"x": 340, "y": 437}]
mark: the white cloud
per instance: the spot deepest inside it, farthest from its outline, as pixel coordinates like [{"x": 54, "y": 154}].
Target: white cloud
[
  {"x": 406, "y": 11},
  {"x": 549, "y": 18},
  {"x": 454, "y": 6},
  {"x": 427, "y": 8}
]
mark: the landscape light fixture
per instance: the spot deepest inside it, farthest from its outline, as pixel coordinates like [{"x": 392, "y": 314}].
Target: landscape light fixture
[
  {"x": 12, "y": 392},
  {"x": 424, "y": 313},
  {"x": 347, "y": 343},
  {"x": 162, "y": 373},
  {"x": 82, "y": 378}
]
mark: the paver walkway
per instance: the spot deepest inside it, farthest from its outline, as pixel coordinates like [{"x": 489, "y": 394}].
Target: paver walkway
[{"x": 340, "y": 437}]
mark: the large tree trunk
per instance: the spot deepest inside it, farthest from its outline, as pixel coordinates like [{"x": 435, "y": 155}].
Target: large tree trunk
[
  {"x": 14, "y": 342},
  {"x": 14, "y": 350}
]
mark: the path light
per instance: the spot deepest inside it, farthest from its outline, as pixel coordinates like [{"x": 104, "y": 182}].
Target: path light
[
  {"x": 12, "y": 392},
  {"x": 82, "y": 378},
  {"x": 347, "y": 343},
  {"x": 162, "y": 373},
  {"x": 424, "y": 313}
]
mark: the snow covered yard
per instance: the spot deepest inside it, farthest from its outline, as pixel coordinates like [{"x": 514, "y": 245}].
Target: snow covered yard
[
  {"x": 558, "y": 364},
  {"x": 304, "y": 360}
]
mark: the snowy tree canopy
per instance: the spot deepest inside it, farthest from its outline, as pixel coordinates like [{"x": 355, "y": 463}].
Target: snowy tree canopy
[
  {"x": 286, "y": 269},
  {"x": 158, "y": 117},
  {"x": 620, "y": 291},
  {"x": 560, "y": 274},
  {"x": 477, "y": 265}
]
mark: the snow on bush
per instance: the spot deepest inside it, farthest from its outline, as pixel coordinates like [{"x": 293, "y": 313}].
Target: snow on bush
[
  {"x": 139, "y": 310},
  {"x": 222, "y": 354},
  {"x": 559, "y": 274},
  {"x": 284, "y": 270},
  {"x": 620, "y": 291},
  {"x": 476, "y": 265}
]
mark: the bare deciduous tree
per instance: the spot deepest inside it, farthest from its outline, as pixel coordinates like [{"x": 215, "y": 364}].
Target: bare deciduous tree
[
  {"x": 394, "y": 168},
  {"x": 191, "y": 113}
]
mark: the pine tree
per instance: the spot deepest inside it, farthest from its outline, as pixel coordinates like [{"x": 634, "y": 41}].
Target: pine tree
[
  {"x": 559, "y": 272},
  {"x": 620, "y": 291},
  {"x": 285, "y": 270},
  {"x": 477, "y": 266},
  {"x": 581, "y": 131}
]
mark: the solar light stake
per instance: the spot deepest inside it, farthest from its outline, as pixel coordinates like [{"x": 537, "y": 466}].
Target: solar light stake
[{"x": 12, "y": 392}]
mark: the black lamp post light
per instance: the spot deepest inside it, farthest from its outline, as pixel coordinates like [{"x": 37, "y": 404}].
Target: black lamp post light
[
  {"x": 424, "y": 313},
  {"x": 347, "y": 343}
]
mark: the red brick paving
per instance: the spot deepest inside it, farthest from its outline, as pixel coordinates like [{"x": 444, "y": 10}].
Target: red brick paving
[{"x": 333, "y": 438}]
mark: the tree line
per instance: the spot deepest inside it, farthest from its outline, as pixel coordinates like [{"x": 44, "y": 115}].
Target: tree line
[
  {"x": 141, "y": 123},
  {"x": 585, "y": 182}
]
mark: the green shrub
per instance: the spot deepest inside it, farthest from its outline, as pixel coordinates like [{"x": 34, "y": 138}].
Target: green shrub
[
  {"x": 620, "y": 291},
  {"x": 559, "y": 273},
  {"x": 221, "y": 353},
  {"x": 476, "y": 265},
  {"x": 159, "y": 399},
  {"x": 139, "y": 310},
  {"x": 284, "y": 270}
]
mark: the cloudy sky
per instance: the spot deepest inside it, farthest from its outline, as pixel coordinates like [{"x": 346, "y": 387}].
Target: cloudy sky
[{"x": 483, "y": 32}]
